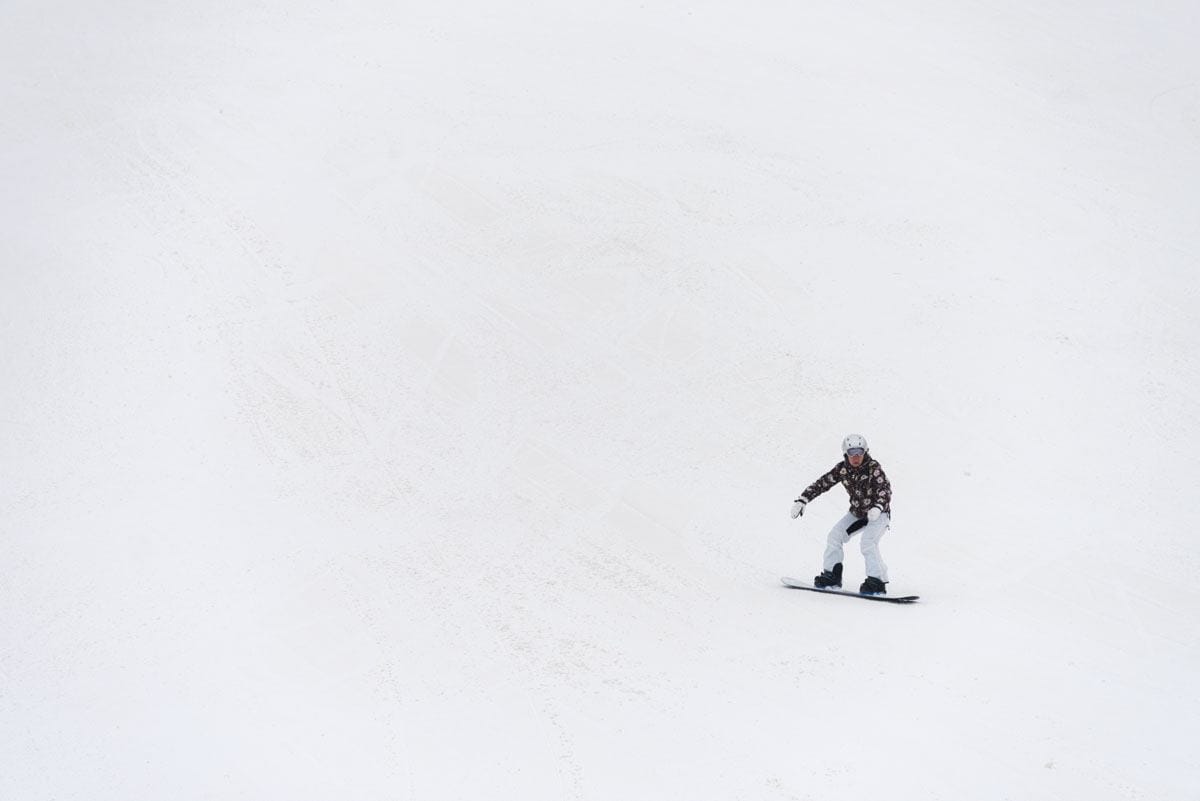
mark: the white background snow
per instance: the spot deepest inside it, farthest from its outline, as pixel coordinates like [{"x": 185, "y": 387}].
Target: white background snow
[{"x": 405, "y": 400}]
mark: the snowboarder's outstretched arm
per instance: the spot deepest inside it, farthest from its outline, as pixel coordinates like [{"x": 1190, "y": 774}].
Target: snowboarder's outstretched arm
[{"x": 822, "y": 484}]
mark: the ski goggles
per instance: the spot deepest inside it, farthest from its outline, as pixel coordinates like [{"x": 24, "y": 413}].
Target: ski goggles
[{"x": 856, "y": 452}]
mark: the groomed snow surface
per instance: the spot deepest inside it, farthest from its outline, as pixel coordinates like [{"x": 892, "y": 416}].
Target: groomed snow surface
[{"x": 405, "y": 400}]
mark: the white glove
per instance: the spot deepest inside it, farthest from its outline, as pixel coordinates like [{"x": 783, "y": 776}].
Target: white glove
[
  {"x": 873, "y": 513},
  {"x": 798, "y": 507}
]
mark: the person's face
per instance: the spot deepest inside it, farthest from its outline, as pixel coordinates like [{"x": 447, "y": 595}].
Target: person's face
[{"x": 855, "y": 456}]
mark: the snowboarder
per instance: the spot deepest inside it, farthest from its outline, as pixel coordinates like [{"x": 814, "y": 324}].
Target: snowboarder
[{"x": 870, "y": 511}]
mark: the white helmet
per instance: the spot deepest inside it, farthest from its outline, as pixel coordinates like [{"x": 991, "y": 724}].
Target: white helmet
[{"x": 854, "y": 441}]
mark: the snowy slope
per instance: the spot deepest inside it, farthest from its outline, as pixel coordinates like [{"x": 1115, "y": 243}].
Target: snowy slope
[{"x": 405, "y": 401}]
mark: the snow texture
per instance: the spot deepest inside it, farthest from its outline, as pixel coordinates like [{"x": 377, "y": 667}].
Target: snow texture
[{"x": 405, "y": 400}]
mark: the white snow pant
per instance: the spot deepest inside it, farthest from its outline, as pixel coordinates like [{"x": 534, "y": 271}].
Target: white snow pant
[{"x": 871, "y": 534}]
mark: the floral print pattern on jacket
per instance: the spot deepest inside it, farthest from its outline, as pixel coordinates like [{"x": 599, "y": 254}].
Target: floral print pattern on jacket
[{"x": 867, "y": 485}]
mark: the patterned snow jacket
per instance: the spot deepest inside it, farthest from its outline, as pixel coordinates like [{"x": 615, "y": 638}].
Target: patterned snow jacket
[{"x": 867, "y": 484}]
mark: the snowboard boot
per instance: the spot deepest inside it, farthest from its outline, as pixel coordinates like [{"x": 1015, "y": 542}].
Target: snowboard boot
[
  {"x": 829, "y": 579},
  {"x": 873, "y": 586}
]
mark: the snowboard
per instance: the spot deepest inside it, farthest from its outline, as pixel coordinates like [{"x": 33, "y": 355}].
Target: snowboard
[{"x": 797, "y": 584}]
